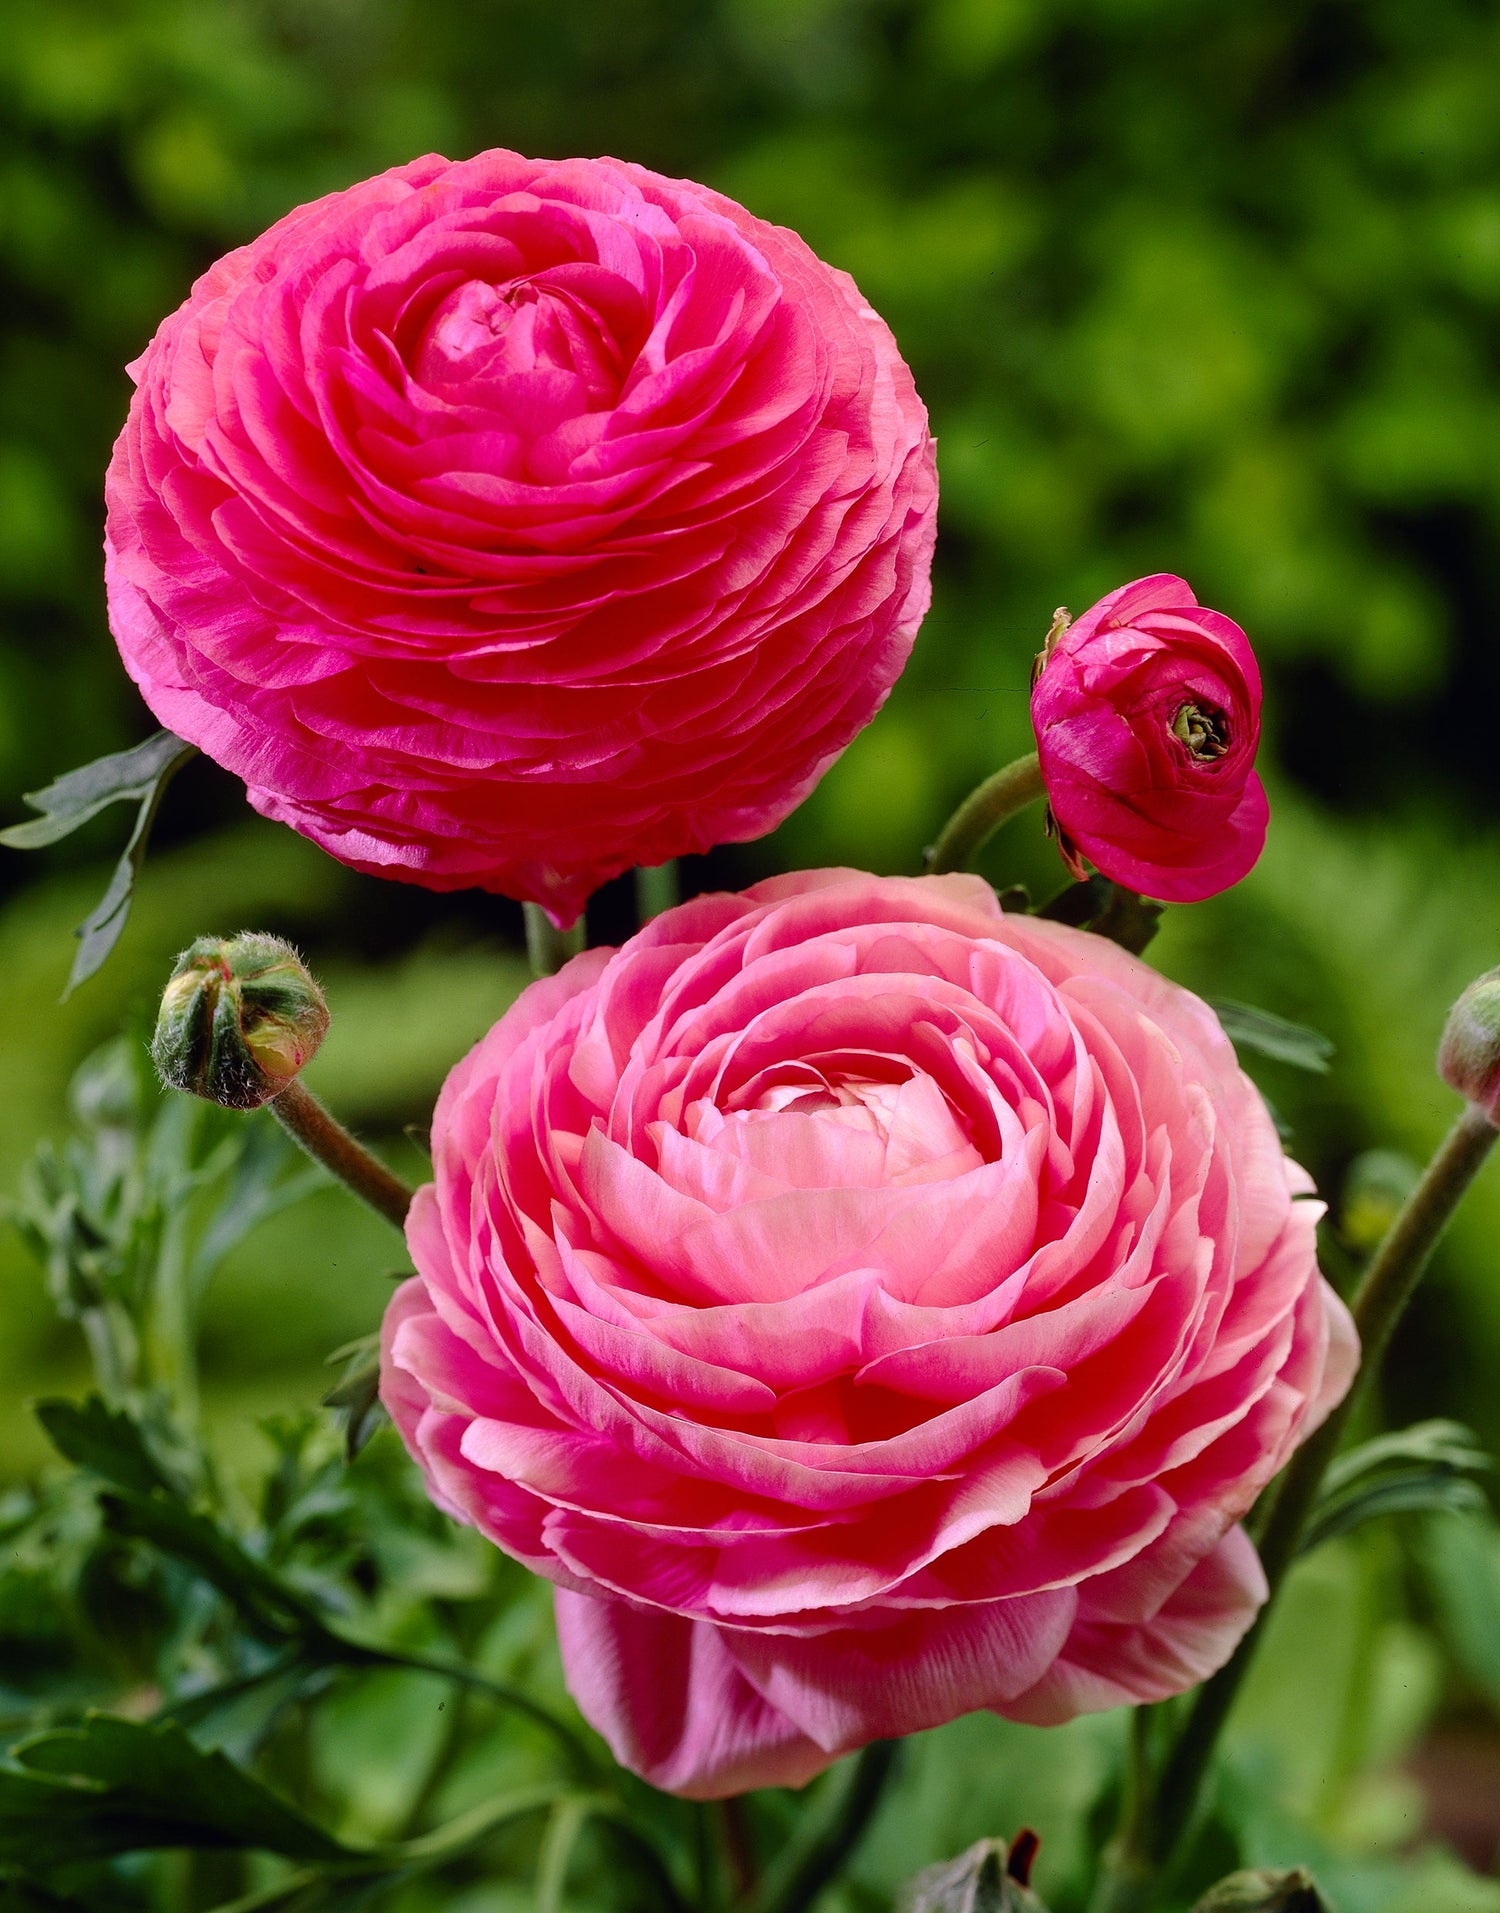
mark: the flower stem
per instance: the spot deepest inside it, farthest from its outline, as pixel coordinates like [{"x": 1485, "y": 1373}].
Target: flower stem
[
  {"x": 327, "y": 1141},
  {"x": 817, "y": 1863},
  {"x": 1149, "y": 1840},
  {"x": 984, "y": 810},
  {"x": 656, "y": 889},
  {"x": 548, "y": 947}
]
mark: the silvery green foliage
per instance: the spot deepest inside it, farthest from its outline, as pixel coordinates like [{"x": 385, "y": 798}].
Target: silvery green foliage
[{"x": 138, "y": 776}]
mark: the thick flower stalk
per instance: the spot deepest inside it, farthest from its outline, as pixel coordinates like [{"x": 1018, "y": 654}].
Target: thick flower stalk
[
  {"x": 866, "y": 1307},
  {"x": 510, "y": 522},
  {"x": 1147, "y": 718}
]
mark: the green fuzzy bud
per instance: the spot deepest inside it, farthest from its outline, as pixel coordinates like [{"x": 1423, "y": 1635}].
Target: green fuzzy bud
[
  {"x": 239, "y": 1020},
  {"x": 1469, "y": 1054},
  {"x": 1264, "y": 1890}
]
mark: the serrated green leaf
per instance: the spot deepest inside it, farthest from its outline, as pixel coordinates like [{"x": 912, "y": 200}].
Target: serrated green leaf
[
  {"x": 71, "y": 800},
  {"x": 269, "y": 1606},
  {"x": 1271, "y": 1035},
  {"x": 119, "y": 1786},
  {"x": 104, "y": 1440}
]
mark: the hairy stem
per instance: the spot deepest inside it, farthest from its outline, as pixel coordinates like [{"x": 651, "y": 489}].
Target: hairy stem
[
  {"x": 983, "y": 811},
  {"x": 1148, "y": 1841},
  {"x": 327, "y": 1141}
]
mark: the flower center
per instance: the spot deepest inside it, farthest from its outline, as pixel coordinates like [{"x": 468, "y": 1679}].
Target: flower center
[
  {"x": 522, "y": 335},
  {"x": 1203, "y": 729}
]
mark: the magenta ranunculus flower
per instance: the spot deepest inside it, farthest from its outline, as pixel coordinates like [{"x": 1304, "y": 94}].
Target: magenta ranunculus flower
[
  {"x": 866, "y": 1307},
  {"x": 1147, "y": 716},
  {"x": 510, "y": 522}
]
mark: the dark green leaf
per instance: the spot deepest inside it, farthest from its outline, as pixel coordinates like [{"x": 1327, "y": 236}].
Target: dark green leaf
[
  {"x": 106, "y": 1441},
  {"x": 1108, "y": 910},
  {"x": 355, "y": 1399},
  {"x": 71, "y": 800},
  {"x": 269, "y": 1606},
  {"x": 119, "y": 1786},
  {"x": 1273, "y": 1036},
  {"x": 1412, "y": 1492},
  {"x": 1077, "y": 904},
  {"x": 22, "y": 1896}
]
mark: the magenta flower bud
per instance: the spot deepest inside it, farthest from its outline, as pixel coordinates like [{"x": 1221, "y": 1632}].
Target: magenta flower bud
[
  {"x": 239, "y": 1021},
  {"x": 1469, "y": 1054},
  {"x": 1147, "y": 716}
]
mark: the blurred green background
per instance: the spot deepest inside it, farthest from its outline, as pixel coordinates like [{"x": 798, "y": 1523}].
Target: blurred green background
[{"x": 1192, "y": 285}]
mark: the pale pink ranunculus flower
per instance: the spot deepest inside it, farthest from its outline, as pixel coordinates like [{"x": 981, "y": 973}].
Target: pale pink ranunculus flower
[
  {"x": 509, "y": 522},
  {"x": 866, "y": 1307}
]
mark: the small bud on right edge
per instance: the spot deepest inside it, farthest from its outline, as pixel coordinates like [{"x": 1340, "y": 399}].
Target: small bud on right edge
[
  {"x": 240, "y": 1018},
  {"x": 1469, "y": 1054}
]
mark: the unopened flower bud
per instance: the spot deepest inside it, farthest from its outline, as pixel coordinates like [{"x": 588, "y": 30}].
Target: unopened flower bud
[
  {"x": 1469, "y": 1054},
  {"x": 1264, "y": 1890},
  {"x": 239, "y": 1020}
]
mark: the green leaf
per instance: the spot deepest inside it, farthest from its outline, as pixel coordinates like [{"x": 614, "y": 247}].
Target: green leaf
[
  {"x": 119, "y": 1786},
  {"x": 72, "y": 799},
  {"x": 139, "y": 776},
  {"x": 106, "y": 1441},
  {"x": 1428, "y": 1466},
  {"x": 355, "y": 1398},
  {"x": 1462, "y": 1558},
  {"x": 1108, "y": 910},
  {"x": 259, "y": 1187},
  {"x": 1273, "y": 1036},
  {"x": 270, "y": 1607}
]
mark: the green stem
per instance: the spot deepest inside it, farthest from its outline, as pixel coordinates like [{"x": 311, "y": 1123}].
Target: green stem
[
  {"x": 1148, "y": 1844},
  {"x": 656, "y": 889},
  {"x": 548, "y": 947},
  {"x": 984, "y": 810},
  {"x": 327, "y": 1141},
  {"x": 813, "y": 1866},
  {"x": 340, "y": 1648}
]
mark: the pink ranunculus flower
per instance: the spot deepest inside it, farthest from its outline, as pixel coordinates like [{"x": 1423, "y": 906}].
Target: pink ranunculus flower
[
  {"x": 1147, "y": 717},
  {"x": 866, "y": 1307},
  {"x": 510, "y": 522}
]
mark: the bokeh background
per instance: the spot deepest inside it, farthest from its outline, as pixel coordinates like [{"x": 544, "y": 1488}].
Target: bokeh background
[{"x": 1193, "y": 285}]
